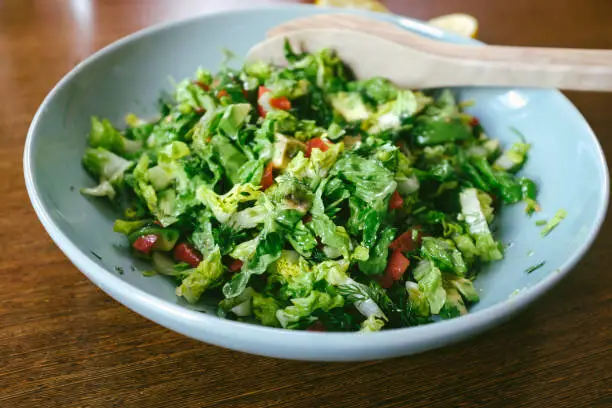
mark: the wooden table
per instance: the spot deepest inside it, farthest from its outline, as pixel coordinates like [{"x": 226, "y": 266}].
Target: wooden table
[{"x": 63, "y": 342}]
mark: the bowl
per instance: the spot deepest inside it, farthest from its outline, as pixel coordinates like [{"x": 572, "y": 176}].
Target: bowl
[{"x": 566, "y": 161}]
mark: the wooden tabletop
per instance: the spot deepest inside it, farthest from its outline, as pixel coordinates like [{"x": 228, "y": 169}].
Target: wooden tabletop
[{"x": 63, "y": 342}]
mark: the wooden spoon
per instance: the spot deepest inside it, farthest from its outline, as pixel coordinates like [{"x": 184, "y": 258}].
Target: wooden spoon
[{"x": 375, "y": 48}]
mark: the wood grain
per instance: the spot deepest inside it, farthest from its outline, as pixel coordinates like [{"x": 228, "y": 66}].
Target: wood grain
[{"x": 64, "y": 343}]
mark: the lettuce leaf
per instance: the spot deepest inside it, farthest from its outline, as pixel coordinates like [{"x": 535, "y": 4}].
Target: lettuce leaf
[
  {"x": 372, "y": 324},
  {"x": 473, "y": 214},
  {"x": 322, "y": 226},
  {"x": 377, "y": 261},
  {"x": 444, "y": 255},
  {"x": 268, "y": 250},
  {"x": 264, "y": 309},
  {"x": 224, "y": 206},
  {"x": 230, "y": 157},
  {"x": 350, "y": 105},
  {"x": 105, "y": 136},
  {"x": 199, "y": 279},
  {"x": 291, "y": 270},
  {"x": 429, "y": 279},
  {"x": 372, "y": 182},
  {"x": 304, "y": 307}
]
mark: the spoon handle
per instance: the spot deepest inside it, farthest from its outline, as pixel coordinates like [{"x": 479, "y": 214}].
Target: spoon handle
[{"x": 434, "y": 63}]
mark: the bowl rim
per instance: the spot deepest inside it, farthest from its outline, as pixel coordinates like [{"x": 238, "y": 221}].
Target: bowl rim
[{"x": 186, "y": 321}]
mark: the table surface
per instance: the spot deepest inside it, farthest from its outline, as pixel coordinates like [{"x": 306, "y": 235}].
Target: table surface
[{"x": 63, "y": 342}]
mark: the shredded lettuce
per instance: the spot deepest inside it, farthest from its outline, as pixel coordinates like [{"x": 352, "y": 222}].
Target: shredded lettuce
[
  {"x": 201, "y": 278},
  {"x": 474, "y": 216},
  {"x": 429, "y": 279},
  {"x": 104, "y": 135},
  {"x": 513, "y": 158},
  {"x": 444, "y": 255},
  {"x": 350, "y": 105},
  {"x": 372, "y": 324},
  {"x": 286, "y": 194},
  {"x": 224, "y": 206},
  {"x": 305, "y": 306},
  {"x": 554, "y": 221},
  {"x": 264, "y": 309}
]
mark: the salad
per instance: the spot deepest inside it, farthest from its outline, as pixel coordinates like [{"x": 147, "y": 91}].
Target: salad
[{"x": 302, "y": 198}]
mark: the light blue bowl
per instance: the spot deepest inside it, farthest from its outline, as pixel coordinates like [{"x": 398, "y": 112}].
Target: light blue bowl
[{"x": 566, "y": 160}]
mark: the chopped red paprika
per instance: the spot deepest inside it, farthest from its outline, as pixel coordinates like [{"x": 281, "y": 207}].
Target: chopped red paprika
[
  {"x": 474, "y": 121},
  {"x": 262, "y": 111},
  {"x": 184, "y": 252},
  {"x": 235, "y": 265},
  {"x": 280, "y": 103},
  {"x": 261, "y": 91},
  {"x": 316, "y": 143},
  {"x": 408, "y": 241},
  {"x": 317, "y": 327},
  {"x": 268, "y": 176},
  {"x": 263, "y": 101},
  {"x": 145, "y": 243},
  {"x": 385, "y": 281},
  {"x": 396, "y": 201},
  {"x": 397, "y": 265},
  {"x": 222, "y": 93},
  {"x": 202, "y": 85}
]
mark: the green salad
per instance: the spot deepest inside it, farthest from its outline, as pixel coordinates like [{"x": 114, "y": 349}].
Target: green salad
[{"x": 302, "y": 198}]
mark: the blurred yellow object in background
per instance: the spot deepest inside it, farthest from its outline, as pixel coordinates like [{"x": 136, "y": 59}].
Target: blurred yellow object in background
[
  {"x": 372, "y": 5},
  {"x": 458, "y": 23}
]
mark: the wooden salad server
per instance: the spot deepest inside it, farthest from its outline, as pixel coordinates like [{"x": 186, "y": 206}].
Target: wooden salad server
[{"x": 376, "y": 48}]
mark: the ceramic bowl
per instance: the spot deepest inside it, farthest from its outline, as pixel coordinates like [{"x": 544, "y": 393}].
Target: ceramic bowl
[{"x": 566, "y": 160}]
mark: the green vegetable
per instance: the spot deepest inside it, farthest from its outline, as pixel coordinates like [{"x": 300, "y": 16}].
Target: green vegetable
[
  {"x": 104, "y": 135},
  {"x": 554, "y": 221},
  {"x": 453, "y": 305},
  {"x": 199, "y": 279},
  {"x": 264, "y": 309},
  {"x": 429, "y": 278},
  {"x": 350, "y": 105},
  {"x": 166, "y": 237},
  {"x": 529, "y": 191},
  {"x": 534, "y": 268},
  {"x": 512, "y": 159},
  {"x": 304, "y": 307},
  {"x": 373, "y": 183},
  {"x": 233, "y": 118},
  {"x": 285, "y": 148},
  {"x": 294, "y": 272},
  {"x": 435, "y": 131},
  {"x": 372, "y": 324},
  {"x": 377, "y": 260},
  {"x": 474, "y": 216},
  {"x": 419, "y": 305},
  {"x": 268, "y": 250},
  {"x": 127, "y": 227},
  {"x": 226, "y": 205},
  {"x": 444, "y": 255},
  {"x": 230, "y": 157},
  {"x": 296, "y": 211},
  {"x": 466, "y": 289},
  {"x": 108, "y": 167},
  {"x": 379, "y": 90}
]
